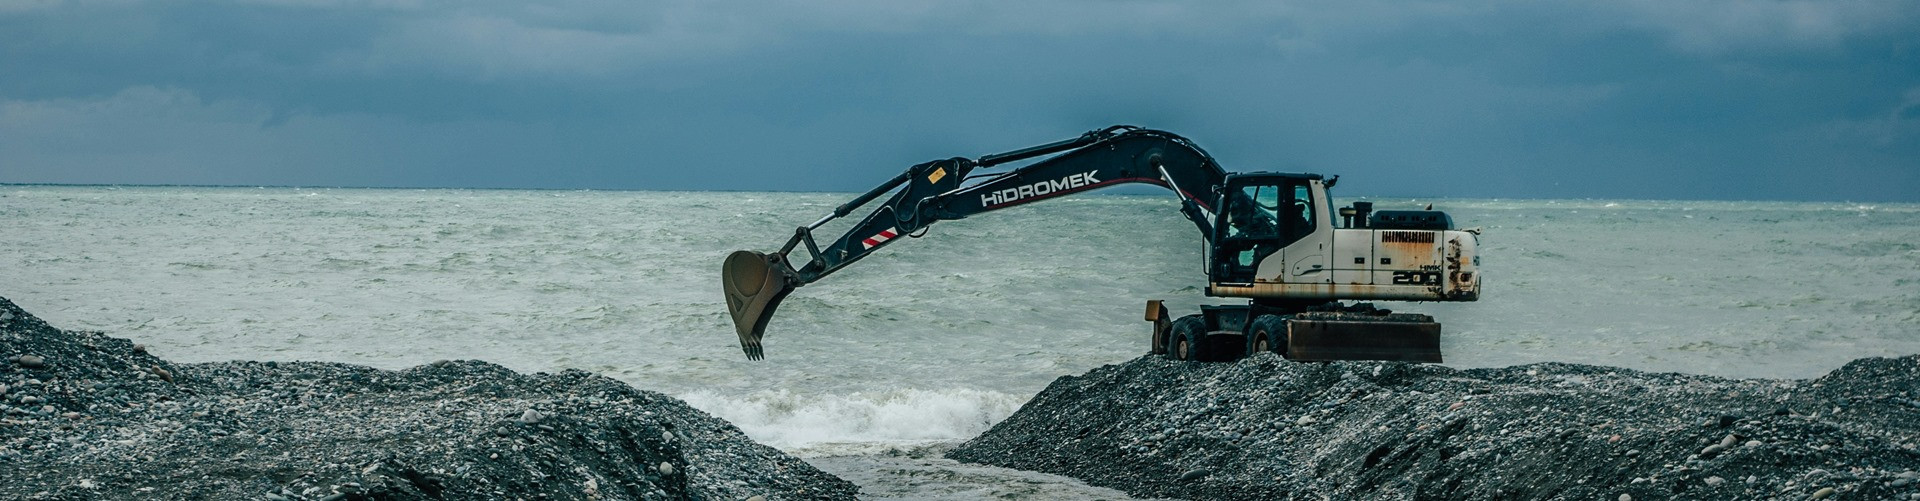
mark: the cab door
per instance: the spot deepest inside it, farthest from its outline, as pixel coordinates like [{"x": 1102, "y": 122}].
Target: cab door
[
  {"x": 1249, "y": 233},
  {"x": 1307, "y": 237}
]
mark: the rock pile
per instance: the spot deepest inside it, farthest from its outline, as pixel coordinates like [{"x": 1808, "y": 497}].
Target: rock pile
[
  {"x": 87, "y": 416},
  {"x": 1267, "y": 428}
]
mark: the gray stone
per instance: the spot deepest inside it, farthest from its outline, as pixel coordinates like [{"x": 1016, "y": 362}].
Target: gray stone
[
  {"x": 1194, "y": 475},
  {"x": 666, "y": 468},
  {"x": 32, "y": 361},
  {"x": 531, "y": 416},
  {"x": 1822, "y": 493},
  {"x": 1755, "y": 443},
  {"x": 1715, "y": 481}
]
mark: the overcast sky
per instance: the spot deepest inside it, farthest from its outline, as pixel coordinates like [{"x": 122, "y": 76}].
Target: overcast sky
[{"x": 1611, "y": 99}]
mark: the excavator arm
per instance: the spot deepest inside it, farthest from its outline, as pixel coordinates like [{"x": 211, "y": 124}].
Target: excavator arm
[{"x": 755, "y": 283}]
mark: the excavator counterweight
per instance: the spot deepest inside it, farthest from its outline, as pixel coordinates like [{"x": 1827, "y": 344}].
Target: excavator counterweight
[{"x": 1270, "y": 239}]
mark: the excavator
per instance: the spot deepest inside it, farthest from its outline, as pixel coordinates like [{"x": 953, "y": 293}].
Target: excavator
[{"x": 1271, "y": 239}]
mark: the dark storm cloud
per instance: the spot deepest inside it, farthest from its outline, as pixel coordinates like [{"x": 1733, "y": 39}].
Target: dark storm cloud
[{"x": 1783, "y": 100}]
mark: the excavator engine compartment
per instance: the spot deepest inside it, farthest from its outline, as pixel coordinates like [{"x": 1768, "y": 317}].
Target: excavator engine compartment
[{"x": 1411, "y": 220}]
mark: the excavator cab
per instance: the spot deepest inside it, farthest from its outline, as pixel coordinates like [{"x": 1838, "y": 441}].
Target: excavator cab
[{"x": 1263, "y": 214}]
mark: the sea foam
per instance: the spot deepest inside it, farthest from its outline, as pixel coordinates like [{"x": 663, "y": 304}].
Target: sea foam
[{"x": 858, "y": 423}]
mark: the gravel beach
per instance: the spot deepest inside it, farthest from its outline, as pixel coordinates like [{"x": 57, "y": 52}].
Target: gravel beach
[
  {"x": 87, "y": 416},
  {"x": 1267, "y": 428}
]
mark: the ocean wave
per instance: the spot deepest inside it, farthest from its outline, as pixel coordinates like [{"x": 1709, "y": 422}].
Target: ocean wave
[{"x": 809, "y": 424}]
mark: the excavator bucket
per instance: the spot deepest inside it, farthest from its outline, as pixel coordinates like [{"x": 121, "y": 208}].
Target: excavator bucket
[
  {"x": 1349, "y": 336},
  {"x": 754, "y": 284}
]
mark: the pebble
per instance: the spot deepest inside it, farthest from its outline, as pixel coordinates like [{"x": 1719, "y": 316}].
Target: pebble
[
  {"x": 1715, "y": 481},
  {"x": 757, "y": 497},
  {"x": 1626, "y": 497},
  {"x": 1193, "y": 474},
  {"x": 531, "y": 416},
  {"x": 32, "y": 361},
  {"x": 1729, "y": 442},
  {"x": 666, "y": 468},
  {"x": 1711, "y": 451},
  {"x": 1755, "y": 443},
  {"x": 1305, "y": 420},
  {"x": 5, "y": 316},
  {"x": 1822, "y": 493}
]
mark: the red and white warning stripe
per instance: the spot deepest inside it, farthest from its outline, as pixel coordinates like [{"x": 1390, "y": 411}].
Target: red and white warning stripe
[{"x": 880, "y": 238}]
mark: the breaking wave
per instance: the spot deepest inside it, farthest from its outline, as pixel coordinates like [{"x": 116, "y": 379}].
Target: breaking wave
[{"x": 861, "y": 422}]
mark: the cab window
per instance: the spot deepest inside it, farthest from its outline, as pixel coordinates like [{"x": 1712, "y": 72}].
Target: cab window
[{"x": 1259, "y": 220}]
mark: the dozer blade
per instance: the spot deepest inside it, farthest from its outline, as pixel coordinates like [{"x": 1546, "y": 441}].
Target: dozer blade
[
  {"x": 1398, "y": 337},
  {"x": 754, "y": 284}
]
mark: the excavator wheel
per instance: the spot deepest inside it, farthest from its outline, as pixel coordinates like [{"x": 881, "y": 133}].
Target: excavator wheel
[
  {"x": 1268, "y": 334},
  {"x": 1183, "y": 339}
]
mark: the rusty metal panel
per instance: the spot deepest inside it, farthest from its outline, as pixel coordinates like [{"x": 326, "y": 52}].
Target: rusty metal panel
[
  {"x": 1462, "y": 267},
  {"x": 1406, "y": 237},
  {"x": 1352, "y": 257},
  {"x": 1325, "y": 340}
]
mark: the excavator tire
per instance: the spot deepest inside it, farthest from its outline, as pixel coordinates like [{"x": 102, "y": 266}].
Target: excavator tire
[
  {"x": 1184, "y": 338},
  {"x": 1269, "y": 334}
]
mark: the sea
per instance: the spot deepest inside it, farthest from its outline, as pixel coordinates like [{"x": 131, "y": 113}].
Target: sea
[{"x": 928, "y": 341}]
